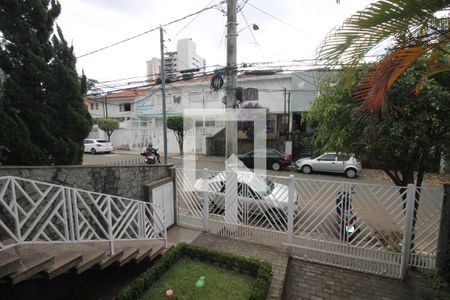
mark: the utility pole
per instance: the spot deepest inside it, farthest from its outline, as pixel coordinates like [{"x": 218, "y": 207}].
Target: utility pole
[
  {"x": 163, "y": 93},
  {"x": 289, "y": 116},
  {"x": 284, "y": 110},
  {"x": 106, "y": 106},
  {"x": 230, "y": 89}
]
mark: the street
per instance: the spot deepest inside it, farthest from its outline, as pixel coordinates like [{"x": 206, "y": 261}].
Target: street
[{"x": 216, "y": 163}]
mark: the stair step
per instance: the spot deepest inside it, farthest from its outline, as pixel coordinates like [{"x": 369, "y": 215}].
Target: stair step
[
  {"x": 63, "y": 265},
  {"x": 91, "y": 256},
  {"x": 32, "y": 262},
  {"x": 9, "y": 262},
  {"x": 109, "y": 259},
  {"x": 157, "y": 250},
  {"x": 144, "y": 252},
  {"x": 146, "y": 248},
  {"x": 128, "y": 255}
]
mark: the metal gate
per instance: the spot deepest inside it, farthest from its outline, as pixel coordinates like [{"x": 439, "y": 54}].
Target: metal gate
[{"x": 346, "y": 224}]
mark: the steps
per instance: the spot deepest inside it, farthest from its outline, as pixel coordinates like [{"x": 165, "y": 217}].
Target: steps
[{"x": 23, "y": 262}]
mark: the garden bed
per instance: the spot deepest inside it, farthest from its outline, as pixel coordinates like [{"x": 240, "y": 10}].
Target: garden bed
[{"x": 178, "y": 269}]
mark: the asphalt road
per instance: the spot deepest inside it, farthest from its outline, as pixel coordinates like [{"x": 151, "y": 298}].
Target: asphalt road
[{"x": 217, "y": 164}]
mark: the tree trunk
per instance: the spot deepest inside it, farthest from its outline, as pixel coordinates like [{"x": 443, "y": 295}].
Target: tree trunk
[{"x": 180, "y": 144}]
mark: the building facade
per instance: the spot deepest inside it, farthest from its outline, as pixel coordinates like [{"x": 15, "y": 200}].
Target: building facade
[
  {"x": 284, "y": 95},
  {"x": 153, "y": 69}
]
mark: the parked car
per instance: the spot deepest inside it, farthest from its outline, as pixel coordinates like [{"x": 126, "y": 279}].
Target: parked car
[
  {"x": 276, "y": 160},
  {"x": 259, "y": 195},
  {"x": 95, "y": 146},
  {"x": 330, "y": 162}
]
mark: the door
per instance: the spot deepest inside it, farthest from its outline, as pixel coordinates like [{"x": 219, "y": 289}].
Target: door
[
  {"x": 327, "y": 163},
  {"x": 163, "y": 197}
]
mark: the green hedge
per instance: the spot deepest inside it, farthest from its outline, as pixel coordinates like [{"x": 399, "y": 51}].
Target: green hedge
[{"x": 260, "y": 269}]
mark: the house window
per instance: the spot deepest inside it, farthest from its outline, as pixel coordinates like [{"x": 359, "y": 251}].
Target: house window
[
  {"x": 125, "y": 106},
  {"x": 96, "y": 106},
  {"x": 250, "y": 94},
  {"x": 199, "y": 123},
  {"x": 92, "y": 106}
]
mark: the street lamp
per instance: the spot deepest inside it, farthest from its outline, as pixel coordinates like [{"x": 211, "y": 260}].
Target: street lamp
[{"x": 254, "y": 27}]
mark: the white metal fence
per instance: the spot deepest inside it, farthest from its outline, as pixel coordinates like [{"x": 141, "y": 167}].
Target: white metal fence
[
  {"x": 38, "y": 212},
  {"x": 353, "y": 225}
]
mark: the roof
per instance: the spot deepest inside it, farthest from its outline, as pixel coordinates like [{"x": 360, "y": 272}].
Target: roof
[
  {"x": 131, "y": 93},
  {"x": 126, "y": 94}
]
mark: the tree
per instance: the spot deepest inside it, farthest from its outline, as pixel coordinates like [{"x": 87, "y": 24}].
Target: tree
[
  {"x": 87, "y": 84},
  {"x": 179, "y": 125},
  {"x": 43, "y": 118},
  {"x": 409, "y": 29},
  {"x": 404, "y": 142},
  {"x": 108, "y": 126}
]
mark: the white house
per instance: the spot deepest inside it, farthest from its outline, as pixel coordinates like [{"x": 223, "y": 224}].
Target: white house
[{"x": 140, "y": 111}]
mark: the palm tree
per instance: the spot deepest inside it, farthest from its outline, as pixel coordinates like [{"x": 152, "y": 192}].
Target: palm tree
[{"x": 409, "y": 29}]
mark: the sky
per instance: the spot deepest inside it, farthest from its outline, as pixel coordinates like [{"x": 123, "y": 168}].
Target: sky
[{"x": 288, "y": 30}]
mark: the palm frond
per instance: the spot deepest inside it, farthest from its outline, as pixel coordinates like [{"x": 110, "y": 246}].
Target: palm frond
[
  {"x": 372, "y": 89},
  {"x": 350, "y": 42}
]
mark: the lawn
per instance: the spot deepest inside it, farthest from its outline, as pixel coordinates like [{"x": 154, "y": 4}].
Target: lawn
[{"x": 220, "y": 283}]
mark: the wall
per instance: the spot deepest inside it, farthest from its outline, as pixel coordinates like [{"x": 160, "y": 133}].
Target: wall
[{"x": 124, "y": 181}]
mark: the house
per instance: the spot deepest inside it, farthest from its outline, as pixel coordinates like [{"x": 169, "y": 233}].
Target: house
[{"x": 284, "y": 95}]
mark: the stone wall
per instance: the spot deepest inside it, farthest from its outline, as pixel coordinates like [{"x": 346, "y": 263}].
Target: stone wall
[{"x": 123, "y": 181}]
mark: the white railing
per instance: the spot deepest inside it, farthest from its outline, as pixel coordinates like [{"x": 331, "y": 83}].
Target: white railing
[
  {"x": 39, "y": 212},
  {"x": 394, "y": 227}
]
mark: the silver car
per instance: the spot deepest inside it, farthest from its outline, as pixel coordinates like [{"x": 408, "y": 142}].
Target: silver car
[{"x": 330, "y": 162}]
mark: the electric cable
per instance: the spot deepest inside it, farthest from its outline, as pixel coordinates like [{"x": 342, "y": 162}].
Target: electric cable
[{"x": 146, "y": 32}]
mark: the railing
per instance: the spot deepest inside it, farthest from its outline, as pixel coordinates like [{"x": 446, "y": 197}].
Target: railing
[
  {"x": 39, "y": 212},
  {"x": 393, "y": 227}
]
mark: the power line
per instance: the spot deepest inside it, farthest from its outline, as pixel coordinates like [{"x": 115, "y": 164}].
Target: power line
[
  {"x": 185, "y": 26},
  {"x": 272, "y": 16},
  {"x": 146, "y": 32}
]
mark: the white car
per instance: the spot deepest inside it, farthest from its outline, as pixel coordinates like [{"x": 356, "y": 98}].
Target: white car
[
  {"x": 95, "y": 146},
  {"x": 257, "y": 194},
  {"x": 330, "y": 162}
]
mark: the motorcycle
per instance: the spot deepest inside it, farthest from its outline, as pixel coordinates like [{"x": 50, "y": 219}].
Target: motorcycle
[
  {"x": 151, "y": 158},
  {"x": 347, "y": 219}
]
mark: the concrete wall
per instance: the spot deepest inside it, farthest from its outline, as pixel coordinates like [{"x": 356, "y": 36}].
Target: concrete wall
[{"x": 124, "y": 181}]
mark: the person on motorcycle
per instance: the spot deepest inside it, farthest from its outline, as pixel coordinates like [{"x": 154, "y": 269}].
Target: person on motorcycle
[{"x": 150, "y": 150}]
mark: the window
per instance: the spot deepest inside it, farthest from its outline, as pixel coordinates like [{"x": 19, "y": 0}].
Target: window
[
  {"x": 92, "y": 106},
  {"x": 199, "y": 123},
  {"x": 343, "y": 157},
  {"x": 96, "y": 106},
  {"x": 327, "y": 157},
  {"x": 250, "y": 94},
  {"x": 125, "y": 107}
]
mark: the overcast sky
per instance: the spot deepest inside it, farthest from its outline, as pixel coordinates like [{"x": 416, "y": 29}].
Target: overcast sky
[{"x": 92, "y": 24}]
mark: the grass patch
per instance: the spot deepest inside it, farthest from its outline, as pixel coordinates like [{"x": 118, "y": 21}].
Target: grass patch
[
  {"x": 260, "y": 271},
  {"x": 219, "y": 282}
]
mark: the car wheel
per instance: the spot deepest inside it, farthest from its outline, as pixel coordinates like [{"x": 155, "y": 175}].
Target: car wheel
[
  {"x": 276, "y": 166},
  {"x": 350, "y": 173},
  {"x": 93, "y": 151},
  {"x": 306, "y": 169}
]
